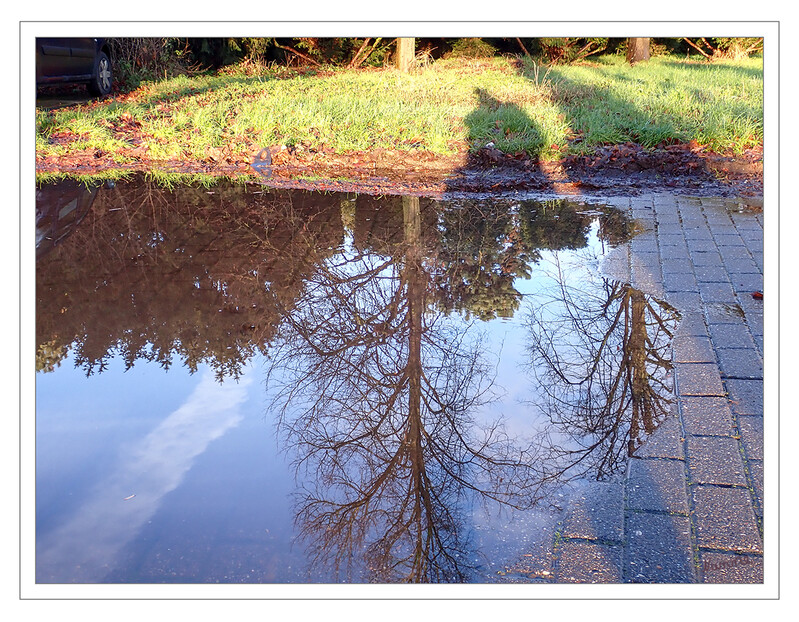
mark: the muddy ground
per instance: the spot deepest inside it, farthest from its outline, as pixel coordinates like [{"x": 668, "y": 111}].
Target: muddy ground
[{"x": 614, "y": 170}]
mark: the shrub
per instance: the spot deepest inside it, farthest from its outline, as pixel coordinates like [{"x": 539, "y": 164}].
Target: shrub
[
  {"x": 471, "y": 47},
  {"x": 564, "y": 50},
  {"x": 137, "y": 59}
]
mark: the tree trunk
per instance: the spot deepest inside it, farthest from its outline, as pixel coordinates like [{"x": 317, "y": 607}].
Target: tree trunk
[
  {"x": 637, "y": 49},
  {"x": 406, "y": 52}
]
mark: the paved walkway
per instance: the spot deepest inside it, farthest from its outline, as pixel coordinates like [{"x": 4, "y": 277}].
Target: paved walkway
[{"x": 690, "y": 507}]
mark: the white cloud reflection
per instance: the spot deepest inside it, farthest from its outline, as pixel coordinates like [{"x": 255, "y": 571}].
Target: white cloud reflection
[{"x": 84, "y": 549}]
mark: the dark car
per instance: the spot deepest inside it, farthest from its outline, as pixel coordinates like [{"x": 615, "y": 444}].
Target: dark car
[{"x": 74, "y": 60}]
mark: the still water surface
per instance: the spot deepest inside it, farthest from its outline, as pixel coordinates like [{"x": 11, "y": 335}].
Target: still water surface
[{"x": 243, "y": 385}]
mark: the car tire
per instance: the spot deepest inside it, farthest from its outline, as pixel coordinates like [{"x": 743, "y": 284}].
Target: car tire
[{"x": 102, "y": 78}]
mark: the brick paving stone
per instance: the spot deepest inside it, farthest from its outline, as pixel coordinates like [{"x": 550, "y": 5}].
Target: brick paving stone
[
  {"x": 677, "y": 266},
  {"x": 671, "y": 239},
  {"x": 679, "y": 282},
  {"x": 665, "y": 442},
  {"x": 731, "y": 568},
  {"x": 756, "y": 473},
  {"x": 702, "y": 247},
  {"x": 644, "y": 244},
  {"x": 751, "y": 428},
  {"x": 746, "y": 223},
  {"x": 669, "y": 228},
  {"x": 691, "y": 323},
  {"x": 711, "y": 274},
  {"x": 659, "y": 549},
  {"x": 751, "y": 231},
  {"x": 715, "y": 460},
  {"x": 732, "y": 253},
  {"x": 692, "y": 219},
  {"x": 588, "y": 562},
  {"x": 675, "y": 252},
  {"x": 755, "y": 322},
  {"x": 746, "y": 396},
  {"x": 706, "y": 259},
  {"x": 742, "y": 266},
  {"x": 669, "y": 215},
  {"x": 720, "y": 228},
  {"x": 731, "y": 336},
  {"x": 752, "y": 307},
  {"x": 698, "y": 379},
  {"x": 755, "y": 246},
  {"x": 646, "y": 202},
  {"x": 596, "y": 513},
  {"x": 740, "y": 363},
  {"x": 718, "y": 220},
  {"x": 648, "y": 259},
  {"x": 746, "y": 284},
  {"x": 707, "y": 415},
  {"x": 686, "y": 302},
  {"x": 733, "y": 238},
  {"x": 704, "y": 254},
  {"x": 725, "y": 519},
  {"x": 697, "y": 233},
  {"x": 657, "y": 486},
  {"x": 716, "y": 292},
  {"x": 643, "y": 216},
  {"x": 717, "y": 215},
  {"x": 693, "y": 349},
  {"x": 724, "y": 313}
]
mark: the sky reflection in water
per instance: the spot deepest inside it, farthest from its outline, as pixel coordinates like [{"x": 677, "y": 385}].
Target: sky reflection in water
[{"x": 196, "y": 348}]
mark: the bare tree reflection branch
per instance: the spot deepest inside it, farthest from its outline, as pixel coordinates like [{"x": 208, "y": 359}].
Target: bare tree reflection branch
[
  {"x": 377, "y": 396},
  {"x": 602, "y": 362},
  {"x": 378, "y": 383}
]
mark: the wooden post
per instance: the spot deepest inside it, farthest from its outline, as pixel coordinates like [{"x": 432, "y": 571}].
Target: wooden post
[
  {"x": 637, "y": 49},
  {"x": 406, "y": 52}
]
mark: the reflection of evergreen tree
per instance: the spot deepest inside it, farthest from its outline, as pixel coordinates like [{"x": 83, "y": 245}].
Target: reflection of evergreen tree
[
  {"x": 192, "y": 275},
  {"x": 480, "y": 256},
  {"x": 486, "y": 245},
  {"x": 199, "y": 275},
  {"x": 560, "y": 224},
  {"x": 553, "y": 225}
]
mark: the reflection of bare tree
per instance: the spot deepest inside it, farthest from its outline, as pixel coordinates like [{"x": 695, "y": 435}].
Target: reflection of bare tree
[
  {"x": 377, "y": 397},
  {"x": 357, "y": 305},
  {"x": 602, "y": 363}
]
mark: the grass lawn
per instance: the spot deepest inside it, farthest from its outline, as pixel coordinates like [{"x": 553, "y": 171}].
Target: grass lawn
[{"x": 447, "y": 107}]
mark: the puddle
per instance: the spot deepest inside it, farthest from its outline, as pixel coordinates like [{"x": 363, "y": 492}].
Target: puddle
[{"x": 238, "y": 384}]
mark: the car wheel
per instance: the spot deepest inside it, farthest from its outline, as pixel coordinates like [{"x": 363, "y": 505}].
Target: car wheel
[{"x": 102, "y": 78}]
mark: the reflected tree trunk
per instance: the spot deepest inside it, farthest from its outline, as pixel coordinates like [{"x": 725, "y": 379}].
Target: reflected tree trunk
[
  {"x": 603, "y": 367},
  {"x": 639, "y": 383},
  {"x": 416, "y": 282},
  {"x": 376, "y": 392}
]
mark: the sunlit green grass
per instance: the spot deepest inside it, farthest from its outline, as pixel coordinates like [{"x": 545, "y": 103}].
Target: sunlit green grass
[
  {"x": 719, "y": 105},
  {"x": 444, "y": 108}
]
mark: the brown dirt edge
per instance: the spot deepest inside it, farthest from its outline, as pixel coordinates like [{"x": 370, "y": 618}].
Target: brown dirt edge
[{"x": 617, "y": 170}]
